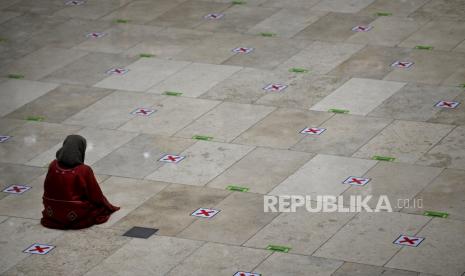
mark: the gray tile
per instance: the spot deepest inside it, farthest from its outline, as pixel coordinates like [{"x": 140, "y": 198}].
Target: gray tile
[
  {"x": 333, "y": 27},
  {"x": 396, "y": 7},
  {"x": 7, "y": 125},
  {"x": 60, "y": 103},
  {"x": 303, "y": 231},
  {"x": 449, "y": 152},
  {"x": 441, "y": 252},
  {"x": 296, "y": 4},
  {"x": 139, "y": 157},
  {"x": 406, "y": 141},
  {"x": 239, "y": 211},
  {"x": 93, "y": 9},
  {"x": 203, "y": 161},
  {"x": 6, "y": 15},
  {"x": 218, "y": 259},
  {"x": 343, "y": 136},
  {"x": 346, "y": 6},
  {"x": 253, "y": 171},
  {"x": 142, "y": 11},
  {"x": 281, "y": 128},
  {"x": 372, "y": 236},
  {"x": 355, "y": 269},
  {"x": 45, "y": 7},
  {"x": 288, "y": 264},
  {"x": 154, "y": 256},
  {"x": 140, "y": 232},
  {"x": 164, "y": 212},
  {"x": 453, "y": 9},
  {"x": 415, "y": 102},
  {"x": 89, "y": 69},
  {"x": 452, "y": 116}
]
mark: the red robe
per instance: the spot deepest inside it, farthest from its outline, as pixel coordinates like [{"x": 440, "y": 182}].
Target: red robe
[{"x": 73, "y": 199}]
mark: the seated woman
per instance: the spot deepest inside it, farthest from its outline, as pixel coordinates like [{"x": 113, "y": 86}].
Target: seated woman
[{"x": 72, "y": 197}]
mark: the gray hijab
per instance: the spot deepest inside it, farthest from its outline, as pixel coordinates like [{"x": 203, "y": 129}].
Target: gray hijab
[{"x": 73, "y": 151}]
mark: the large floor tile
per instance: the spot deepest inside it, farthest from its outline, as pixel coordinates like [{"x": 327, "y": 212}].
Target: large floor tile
[
  {"x": 444, "y": 194},
  {"x": 304, "y": 92},
  {"x": 297, "y": 4},
  {"x": 396, "y": 7},
  {"x": 451, "y": 9},
  {"x": 425, "y": 68},
  {"x": 7, "y": 15},
  {"x": 118, "y": 38},
  {"x": 399, "y": 182},
  {"x": 154, "y": 256},
  {"x": 288, "y": 264},
  {"x": 441, "y": 34},
  {"x": 281, "y": 128},
  {"x": 321, "y": 57},
  {"x": 12, "y": 174},
  {"x": 89, "y": 69},
  {"x": 451, "y": 116},
  {"x": 128, "y": 193},
  {"x": 387, "y": 31},
  {"x": 114, "y": 110},
  {"x": 355, "y": 269},
  {"x": 238, "y": 18},
  {"x": 218, "y": 259},
  {"x": 368, "y": 239},
  {"x": 100, "y": 142},
  {"x": 75, "y": 253},
  {"x": 253, "y": 171},
  {"x": 346, "y": 6},
  {"x": 303, "y": 231},
  {"x": 60, "y": 103},
  {"x": 189, "y": 14},
  {"x": 241, "y": 216},
  {"x": 93, "y": 9},
  {"x": 17, "y": 235},
  {"x": 372, "y": 62},
  {"x": 449, "y": 152},
  {"x": 139, "y": 157},
  {"x": 195, "y": 79},
  {"x": 344, "y": 135},
  {"x": 26, "y": 205},
  {"x": 32, "y": 139},
  {"x": 42, "y": 62},
  {"x": 415, "y": 102},
  {"x": 352, "y": 96},
  {"x": 46, "y": 7},
  {"x": 172, "y": 115},
  {"x": 404, "y": 140},
  {"x": 286, "y": 22},
  {"x": 441, "y": 252},
  {"x": 7, "y": 125},
  {"x": 237, "y": 118},
  {"x": 203, "y": 161},
  {"x": 142, "y": 74},
  {"x": 164, "y": 212},
  {"x": 24, "y": 91},
  {"x": 333, "y": 27},
  {"x": 323, "y": 175}
]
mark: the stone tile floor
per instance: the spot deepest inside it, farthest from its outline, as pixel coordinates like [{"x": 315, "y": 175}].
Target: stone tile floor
[{"x": 84, "y": 66}]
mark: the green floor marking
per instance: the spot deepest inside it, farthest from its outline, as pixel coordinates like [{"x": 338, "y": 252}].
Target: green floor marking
[
  {"x": 340, "y": 111},
  {"x": 35, "y": 118},
  {"x": 298, "y": 70},
  {"x": 237, "y": 188},
  {"x": 436, "y": 214},
  {"x": 265, "y": 34},
  {"x": 239, "y": 2},
  {"x": 122, "y": 21},
  {"x": 383, "y": 14},
  {"x": 15, "y": 76},
  {"x": 383, "y": 158},
  {"x": 146, "y": 55},
  {"x": 172, "y": 93},
  {"x": 462, "y": 85},
  {"x": 278, "y": 248},
  {"x": 202, "y": 137},
  {"x": 2, "y": 39},
  {"x": 424, "y": 47}
]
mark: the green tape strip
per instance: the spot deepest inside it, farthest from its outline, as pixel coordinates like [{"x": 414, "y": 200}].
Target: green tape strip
[
  {"x": 172, "y": 93},
  {"x": 2, "y": 39},
  {"x": 278, "y": 248},
  {"x": 383, "y": 158},
  {"x": 340, "y": 111},
  {"x": 122, "y": 21},
  {"x": 383, "y": 14},
  {"x": 298, "y": 70},
  {"x": 35, "y": 118},
  {"x": 267, "y": 34},
  {"x": 146, "y": 55},
  {"x": 423, "y": 47},
  {"x": 239, "y": 2},
  {"x": 15, "y": 76},
  {"x": 202, "y": 137},
  {"x": 436, "y": 214},
  {"x": 237, "y": 188}
]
